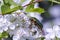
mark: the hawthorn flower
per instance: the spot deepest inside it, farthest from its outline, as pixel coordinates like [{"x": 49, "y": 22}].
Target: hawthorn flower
[
  {"x": 19, "y": 33},
  {"x": 9, "y": 17},
  {"x": 17, "y": 24},
  {"x": 26, "y": 34},
  {"x": 15, "y": 38},
  {"x": 3, "y": 24},
  {"x": 51, "y": 33}
]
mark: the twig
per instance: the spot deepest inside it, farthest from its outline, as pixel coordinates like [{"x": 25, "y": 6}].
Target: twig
[
  {"x": 31, "y": 3},
  {"x": 55, "y": 1}
]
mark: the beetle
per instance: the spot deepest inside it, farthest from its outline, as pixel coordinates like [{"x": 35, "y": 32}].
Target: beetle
[{"x": 36, "y": 22}]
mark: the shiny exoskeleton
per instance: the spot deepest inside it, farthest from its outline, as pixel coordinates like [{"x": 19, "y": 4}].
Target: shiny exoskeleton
[{"x": 36, "y": 22}]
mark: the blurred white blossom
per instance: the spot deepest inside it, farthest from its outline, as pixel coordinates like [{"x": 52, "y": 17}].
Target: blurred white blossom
[
  {"x": 56, "y": 21},
  {"x": 55, "y": 11},
  {"x": 36, "y": 5},
  {"x": 51, "y": 33},
  {"x": 17, "y": 1}
]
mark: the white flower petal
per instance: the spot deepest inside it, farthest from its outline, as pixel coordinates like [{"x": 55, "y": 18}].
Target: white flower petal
[
  {"x": 15, "y": 37},
  {"x": 5, "y": 28},
  {"x": 52, "y": 36},
  {"x": 47, "y": 36},
  {"x": 12, "y": 27},
  {"x": 56, "y": 28},
  {"x": 36, "y": 5},
  {"x": 48, "y": 30},
  {"x": 9, "y": 17},
  {"x": 58, "y": 34}
]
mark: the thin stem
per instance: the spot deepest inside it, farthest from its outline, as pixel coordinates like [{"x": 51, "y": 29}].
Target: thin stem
[
  {"x": 52, "y": 3},
  {"x": 55, "y": 1},
  {"x": 31, "y": 3}
]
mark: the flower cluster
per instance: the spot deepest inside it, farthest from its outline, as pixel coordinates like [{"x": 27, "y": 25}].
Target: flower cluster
[
  {"x": 3, "y": 24},
  {"x": 17, "y": 25}
]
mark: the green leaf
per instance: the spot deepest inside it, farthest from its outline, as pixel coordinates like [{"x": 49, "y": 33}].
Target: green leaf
[
  {"x": 11, "y": 2},
  {"x": 55, "y": 1},
  {"x": 6, "y": 9},
  {"x": 0, "y": 35},
  {"x": 39, "y": 10},
  {"x": 42, "y": 38},
  {"x": 32, "y": 0},
  {"x": 0, "y": 10},
  {"x": 31, "y": 8},
  {"x": 5, "y": 1},
  {"x": 23, "y": 0},
  {"x": 4, "y": 35},
  {"x": 0, "y": 38},
  {"x": 58, "y": 0}
]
